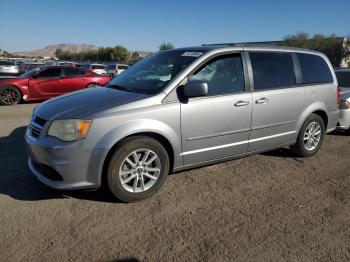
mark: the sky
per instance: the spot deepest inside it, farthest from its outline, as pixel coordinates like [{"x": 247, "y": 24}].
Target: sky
[{"x": 144, "y": 25}]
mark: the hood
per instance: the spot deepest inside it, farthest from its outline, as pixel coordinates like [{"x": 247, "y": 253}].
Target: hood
[{"x": 83, "y": 103}]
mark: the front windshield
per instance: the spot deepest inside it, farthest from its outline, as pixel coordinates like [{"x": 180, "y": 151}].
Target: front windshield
[
  {"x": 152, "y": 74},
  {"x": 30, "y": 72}
]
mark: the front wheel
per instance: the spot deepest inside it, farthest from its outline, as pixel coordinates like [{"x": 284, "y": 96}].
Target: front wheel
[
  {"x": 9, "y": 95},
  {"x": 311, "y": 137},
  {"x": 137, "y": 169}
]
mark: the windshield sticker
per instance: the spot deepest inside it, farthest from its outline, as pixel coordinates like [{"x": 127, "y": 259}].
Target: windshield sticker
[{"x": 193, "y": 54}]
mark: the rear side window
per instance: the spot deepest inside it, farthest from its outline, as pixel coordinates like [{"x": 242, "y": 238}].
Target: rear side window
[
  {"x": 314, "y": 69},
  {"x": 73, "y": 72},
  {"x": 343, "y": 78},
  {"x": 272, "y": 70},
  {"x": 51, "y": 72}
]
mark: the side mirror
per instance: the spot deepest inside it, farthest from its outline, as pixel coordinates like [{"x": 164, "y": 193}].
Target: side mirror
[
  {"x": 35, "y": 76},
  {"x": 195, "y": 88}
]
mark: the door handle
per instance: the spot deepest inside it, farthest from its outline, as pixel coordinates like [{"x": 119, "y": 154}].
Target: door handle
[
  {"x": 242, "y": 103},
  {"x": 262, "y": 101}
]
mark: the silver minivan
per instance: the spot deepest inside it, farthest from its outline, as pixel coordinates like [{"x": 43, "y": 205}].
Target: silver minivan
[{"x": 181, "y": 109}]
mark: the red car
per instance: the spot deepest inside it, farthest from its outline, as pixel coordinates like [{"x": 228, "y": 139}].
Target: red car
[{"x": 46, "y": 82}]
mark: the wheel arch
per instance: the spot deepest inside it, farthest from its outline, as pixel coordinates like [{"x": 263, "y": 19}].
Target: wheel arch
[
  {"x": 318, "y": 108},
  {"x": 152, "y": 134}
]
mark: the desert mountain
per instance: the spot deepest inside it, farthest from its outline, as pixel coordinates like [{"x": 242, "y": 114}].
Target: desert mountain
[{"x": 51, "y": 49}]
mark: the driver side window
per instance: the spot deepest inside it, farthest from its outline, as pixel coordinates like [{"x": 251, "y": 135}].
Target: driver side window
[
  {"x": 50, "y": 72},
  {"x": 224, "y": 75}
]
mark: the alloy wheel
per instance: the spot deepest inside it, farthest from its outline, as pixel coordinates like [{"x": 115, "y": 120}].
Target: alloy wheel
[
  {"x": 140, "y": 170},
  {"x": 8, "y": 95},
  {"x": 312, "y": 136}
]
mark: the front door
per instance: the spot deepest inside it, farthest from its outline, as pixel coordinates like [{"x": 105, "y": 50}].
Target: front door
[
  {"x": 217, "y": 125},
  {"x": 46, "y": 84}
]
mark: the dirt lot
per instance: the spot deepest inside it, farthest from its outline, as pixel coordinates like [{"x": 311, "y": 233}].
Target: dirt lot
[{"x": 268, "y": 207}]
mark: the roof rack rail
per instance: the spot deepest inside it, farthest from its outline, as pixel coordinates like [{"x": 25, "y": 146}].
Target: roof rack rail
[{"x": 230, "y": 44}]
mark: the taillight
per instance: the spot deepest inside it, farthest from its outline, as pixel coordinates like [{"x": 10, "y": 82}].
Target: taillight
[
  {"x": 338, "y": 94},
  {"x": 343, "y": 104}
]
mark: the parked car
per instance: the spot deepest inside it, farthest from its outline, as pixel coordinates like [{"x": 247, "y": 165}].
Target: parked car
[
  {"x": 8, "y": 68},
  {"x": 116, "y": 69},
  {"x": 96, "y": 68},
  {"x": 217, "y": 103},
  {"x": 29, "y": 66},
  {"x": 46, "y": 82},
  {"x": 63, "y": 63},
  {"x": 343, "y": 76}
]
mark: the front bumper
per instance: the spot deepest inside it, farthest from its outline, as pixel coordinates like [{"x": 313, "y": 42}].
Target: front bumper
[
  {"x": 77, "y": 167},
  {"x": 344, "y": 119}
]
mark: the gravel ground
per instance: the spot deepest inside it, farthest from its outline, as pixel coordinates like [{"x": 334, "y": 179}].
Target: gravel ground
[{"x": 267, "y": 207}]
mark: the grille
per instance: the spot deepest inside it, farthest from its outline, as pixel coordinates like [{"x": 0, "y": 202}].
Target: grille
[
  {"x": 36, "y": 126},
  {"x": 35, "y": 132},
  {"x": 40, "y": 121}
]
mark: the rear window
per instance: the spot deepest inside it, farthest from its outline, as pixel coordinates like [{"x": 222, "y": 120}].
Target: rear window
[
  {"x": 314, "y": 69},
  {"x": 123, "y": 67},
  {"x": 98, "y": 67},
  {"x": 343, "y": 78},
  {"x": 7, "y": 63},
  {"x": 272, "y": 70}
]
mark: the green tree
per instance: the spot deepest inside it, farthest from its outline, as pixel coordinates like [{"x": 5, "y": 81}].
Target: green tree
[
  {"x": 166, "y": 46},
  {"x": 329, "y": 45}
]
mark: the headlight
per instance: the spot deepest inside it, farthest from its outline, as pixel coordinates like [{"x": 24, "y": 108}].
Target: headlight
[
  {"x": 344, "y": 104},
  {"x": 70, "y": 129}
]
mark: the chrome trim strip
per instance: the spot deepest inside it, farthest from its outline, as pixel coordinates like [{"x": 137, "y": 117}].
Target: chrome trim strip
[
  {"x": 272, "y": 136},
  {"x": 218, "y": 134},
  {"x": 274, "y": 125},
  {"x": 235, "y": 144},
  {"x": 213, "y": 148}
]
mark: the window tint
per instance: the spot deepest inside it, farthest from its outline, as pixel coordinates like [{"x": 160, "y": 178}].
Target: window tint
[
  {"x": 224, "y": 75},
  {"x": 343, "y": 78},
  {"x": 98, "y": 67},
  {"x": 73, "y": 72},
  {"x": 123, "y": 67},
  {"x": 314, "y": 69},
  {"x": 51, "y": 72},
  {"x": 272, "y": 70},
  {"x": 7, "y": 63}
]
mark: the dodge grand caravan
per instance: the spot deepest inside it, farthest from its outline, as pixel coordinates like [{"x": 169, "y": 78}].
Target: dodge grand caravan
[{"x": 181, "y": 109}]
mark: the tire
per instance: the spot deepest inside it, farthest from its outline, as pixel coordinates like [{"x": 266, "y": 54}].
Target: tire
[
  {"x": 9, "y": 95},
  {"x": 303, "y": 147},
  {"x": 120, "y": 168}
]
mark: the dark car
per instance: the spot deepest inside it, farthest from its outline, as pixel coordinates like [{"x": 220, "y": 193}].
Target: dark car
[{"x": 45, "y": 82}]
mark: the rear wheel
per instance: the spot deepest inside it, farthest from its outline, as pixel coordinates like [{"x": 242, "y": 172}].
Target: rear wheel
[
  {"x": 90, "y": 85},
  {"x": 311, "y": 137},
  {"x": 137, "y": 169},
  {"x": 9, "y": 95}
]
